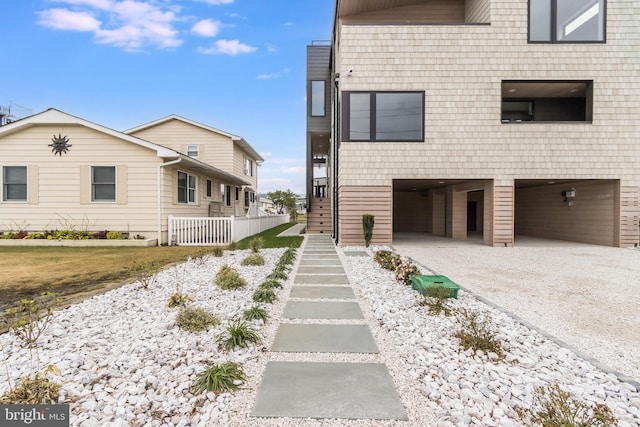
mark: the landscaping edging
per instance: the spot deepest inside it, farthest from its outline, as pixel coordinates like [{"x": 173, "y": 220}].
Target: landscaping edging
[{"x": 80, "y": 243}]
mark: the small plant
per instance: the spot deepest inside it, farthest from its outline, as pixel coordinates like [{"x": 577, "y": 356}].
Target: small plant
[
  {"x": 178, "y": 300},
  {"x": 256, "y": 244},
  {"x": 195, "y": 319},
  {"x": 271, "y": 284},
  {"x": 278, "y": 275},
  {"x": 238, "y": 334},
  {"x": 217, "y": 251},
  {"x": 219, "y": 378},
  {"x": 263, "y": 294},
  {"x": 145, "y": 272},
  {"x": 553, "y": 407},
  {"x": 34, "y": 391},
  {"x": 31, "y": 317},
  {"x": 405, "y": 271},
  {"x": 387, "y": 259},
  {"x": 114, "y": 235},
  {"x": 437, "y": 299},
  {"x": 253, "y": 259},
  {"x": 255, "y": 313},
  {"x": 367, "y": 227},
  {"x": 232, "y": 246},
  {"x": 288, "y": 257},
  {"x": 229, "y": 278},
  {"x": 476, "y": 333}
]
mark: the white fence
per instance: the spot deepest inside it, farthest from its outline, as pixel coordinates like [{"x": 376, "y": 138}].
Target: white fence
[{"x": 209, "y": 231}]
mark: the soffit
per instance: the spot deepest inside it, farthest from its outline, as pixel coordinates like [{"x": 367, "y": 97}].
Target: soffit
[{"x": 354, "y": 7}]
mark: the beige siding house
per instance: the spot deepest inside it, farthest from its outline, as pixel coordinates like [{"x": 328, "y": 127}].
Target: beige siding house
[
  {"x": 230, "y": 153},
  {"x": 477, "y": 118},
  {"x": 58, "y": 171}
]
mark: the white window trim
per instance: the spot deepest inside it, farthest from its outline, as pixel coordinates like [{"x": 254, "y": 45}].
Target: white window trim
[
  {"x": 190, "y": 147},
  {"x": 195, "y": 188}
]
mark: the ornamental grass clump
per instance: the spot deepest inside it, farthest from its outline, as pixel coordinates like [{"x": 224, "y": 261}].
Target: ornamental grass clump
[
  {"x": 38, "y": 390},
  {"x": 229, "y": 278},
  {"x": 256, "y": 244},
  {"x": 271, "y": 284},
  {"x": 219, "y": 378},
  {"x": 253, "y": 260},
  {"x": 263, "y": 294},
  {"x": 178, "y": 300},
  {"x": 195, "y": 319},
  {"x": 475, "y": 333},
  {"x": 555, "y": 407},
  {"x": 255, "y": 313},
  {"x": 238, "y": 333}
]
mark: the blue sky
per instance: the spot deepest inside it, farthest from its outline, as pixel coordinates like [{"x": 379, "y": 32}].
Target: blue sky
[{"x": 236, "y": 65}]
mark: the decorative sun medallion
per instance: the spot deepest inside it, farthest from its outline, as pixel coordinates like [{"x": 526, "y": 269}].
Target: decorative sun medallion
[{"x": 60, "y": 144}]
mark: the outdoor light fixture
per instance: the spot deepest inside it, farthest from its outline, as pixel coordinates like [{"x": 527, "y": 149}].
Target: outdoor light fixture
[{"x": 568, "y": 196}]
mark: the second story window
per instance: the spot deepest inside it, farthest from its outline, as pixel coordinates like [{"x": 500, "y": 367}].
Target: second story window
[
  {"x": 248, "y": 166},
  {"x": 318, "y": 98},
  {"x": 383, "y": 116},
  {"x": 567, "y": 21},
  {"x": 193, "y": 151}
]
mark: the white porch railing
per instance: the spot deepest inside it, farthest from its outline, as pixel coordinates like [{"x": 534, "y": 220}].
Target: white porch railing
[{"x": 211, "y": 231}]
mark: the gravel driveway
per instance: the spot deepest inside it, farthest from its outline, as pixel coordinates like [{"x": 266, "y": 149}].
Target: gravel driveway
[{"x": 584, "y": 295}]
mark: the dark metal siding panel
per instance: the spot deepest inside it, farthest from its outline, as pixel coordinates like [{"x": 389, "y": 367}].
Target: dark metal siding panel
[{"x": 318, "y": 68}]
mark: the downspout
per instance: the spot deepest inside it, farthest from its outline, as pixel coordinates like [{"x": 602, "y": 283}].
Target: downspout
[
  {"x": 159, "y": 201},
  {"x": 336, "y": 146}
]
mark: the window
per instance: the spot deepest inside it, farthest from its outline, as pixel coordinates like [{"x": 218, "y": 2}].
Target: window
[
  {"x": 14, "y": 183},
  {"x": 567, "y": 21},
  {"x": 193, "y": 150},
  {"x": 547, "y": 101},
  {"x": 249, "y": 197},
  {"x": 186, "y": 188},
  {"x": 227, "y": 195},
  {"x": 383, "y": 116},
  {"x": 318, "y": 101},
  {"x": 237, "y": 194},
  {"x": 103, "y": 183},
  {"x": 248, "y": 166},
  {"x": 209, "y": 188}
]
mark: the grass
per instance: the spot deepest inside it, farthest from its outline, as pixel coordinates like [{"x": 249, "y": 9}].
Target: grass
[
  {"x": 239, "y": 333},
  {"x": 195, "y": 319},
  {"x": 223, "y": 377},
  {"x": 270, "y": 238}
]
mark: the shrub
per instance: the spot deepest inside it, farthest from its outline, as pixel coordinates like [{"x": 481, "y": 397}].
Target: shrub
[
  {"x": 256, "y": 244},
  {"x": 437, "y": 299},
  {"x": 255, "y": 313},
  {"x": 271, "y": 284},
  {"x": 288, "y": 257},
  {"x": 219, "y": 378},
  {"x": 31, "y": 317},
  {"x": 387, "y": 259},
  {"x": 229, "y": 278},
  {"x": 145, "y": 272},
  {"x": 553, "y": 406},
  {"x": 405, "y": 271},
  {"x": 217, "y": 251},
  {"x": 367, "y": 227},
  {"x": 263, "y": 294},
  {"x": 232, "y": 246},
  {"x": 238, "y": 334},
  {"x": 278, "y": 275},
  {"x": 195, "y": 319},
  {"x": 253, "y": 259},
  {"x": 178, "y": 300},
  {"x": 476, "y": 333},
  {"x": 34, "y": 391},
  {"x": 114, "y": 235}
]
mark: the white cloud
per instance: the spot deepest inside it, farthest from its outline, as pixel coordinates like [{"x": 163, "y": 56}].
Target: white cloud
[
  {"x": 129, "y": 24},
  {"x": 228, "y": 47},
  {"x": 266, "y": 154},
  {"x": 63, "y": 19},
  {"x": 288, "y": 24},
  {"x": 293, "y": 169},
  {"x": 277, "y": 75},
  {"x": 216, "y": 2},
  {"x": 206, "y": 28}
]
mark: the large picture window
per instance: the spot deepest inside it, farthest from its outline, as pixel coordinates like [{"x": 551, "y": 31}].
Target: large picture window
[
  {"x": 383, "y": 116},
  {"x": 186, "y": 188},
  {"x": 103, "y": 183},
  {"x": 14, "y": 183},
  {"x": 567, "y": 21}
]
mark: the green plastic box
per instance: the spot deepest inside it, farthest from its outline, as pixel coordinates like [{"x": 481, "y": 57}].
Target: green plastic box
[{"x": 422, "y": 282}]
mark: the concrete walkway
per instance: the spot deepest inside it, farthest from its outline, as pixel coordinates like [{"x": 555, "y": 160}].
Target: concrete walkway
[{"x": 323, "y": 316}]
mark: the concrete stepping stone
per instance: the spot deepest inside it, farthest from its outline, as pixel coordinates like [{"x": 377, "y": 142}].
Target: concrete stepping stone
[
  {"x": 321, "y": 279},
  {"x": 324, "y": 338},
  {"x": 320, "y": 270},
  {"x": 328, "y": 390},
  {"x": 355, "y": 253},
  {"x": 333, "y": 262},
  {"x": 322, "y": 310},
  {"x": 328, "y": 292}
]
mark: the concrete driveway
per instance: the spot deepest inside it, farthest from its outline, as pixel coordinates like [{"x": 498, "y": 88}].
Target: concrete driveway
[{"x": 585, "y": 295}]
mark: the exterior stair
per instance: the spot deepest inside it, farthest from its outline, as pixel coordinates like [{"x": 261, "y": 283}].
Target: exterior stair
[{"x": 319, "y": 220}]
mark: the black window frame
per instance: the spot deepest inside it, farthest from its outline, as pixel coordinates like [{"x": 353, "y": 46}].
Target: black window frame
[
  {"x": 94, "y": 184},
  {"x": 346, "y": 104},
  {"x": 553, "y": 27},
  {"x": 209, "y": 188},
  {"x": 227, "y": 195},
  {"x": 6, "y": 185},
  {"x": 314, "y": 101}
]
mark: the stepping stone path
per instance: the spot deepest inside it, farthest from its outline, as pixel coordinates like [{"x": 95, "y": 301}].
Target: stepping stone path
[{"x": 323, "y": 317}]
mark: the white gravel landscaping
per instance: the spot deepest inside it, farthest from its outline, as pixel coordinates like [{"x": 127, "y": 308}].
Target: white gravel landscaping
[{"x": 124, "y": 362}]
